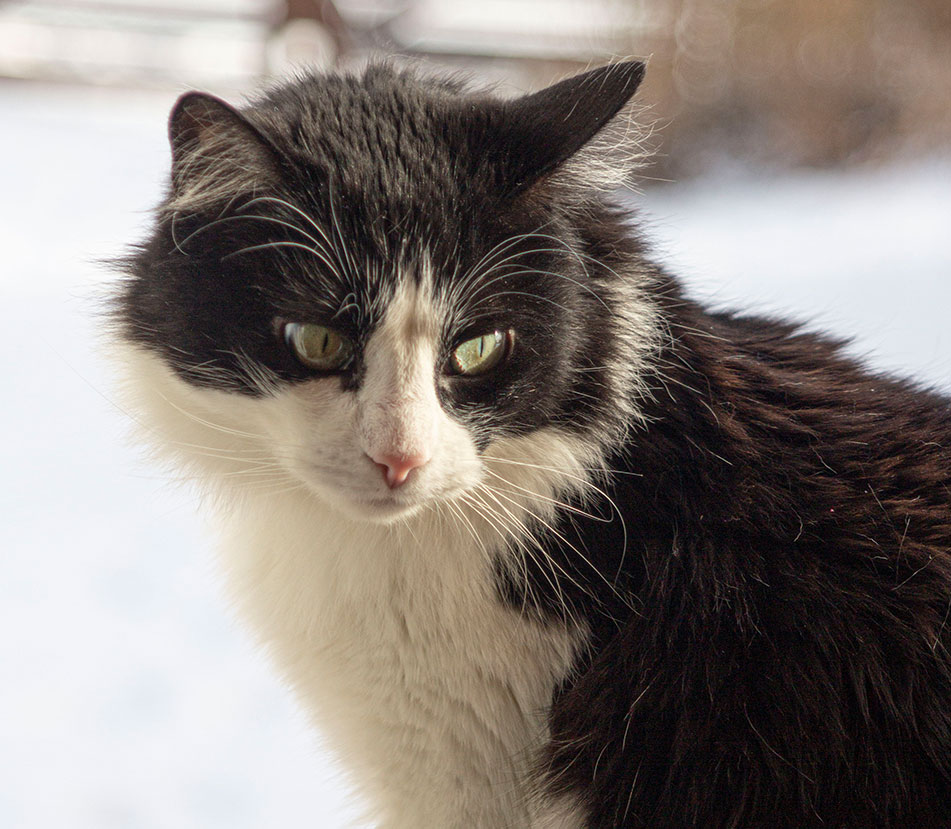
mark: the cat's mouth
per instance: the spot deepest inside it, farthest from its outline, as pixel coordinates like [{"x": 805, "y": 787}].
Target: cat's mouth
[
  {"x": 370, "y": 500},
  {"x": 364, "y": 504},
  {"x": 387, "y": 502}
]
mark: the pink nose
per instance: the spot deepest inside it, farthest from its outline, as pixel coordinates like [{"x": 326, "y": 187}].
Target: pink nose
[{"x": 396, "y": 468}]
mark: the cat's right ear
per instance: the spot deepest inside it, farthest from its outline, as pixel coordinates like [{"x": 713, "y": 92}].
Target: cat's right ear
[
  {"x": 216, "y": 153},
  {"x": 562, "y": 128}
]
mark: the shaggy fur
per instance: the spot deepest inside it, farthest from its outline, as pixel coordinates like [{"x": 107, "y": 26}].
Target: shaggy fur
[{"x": 661, "y": 567}]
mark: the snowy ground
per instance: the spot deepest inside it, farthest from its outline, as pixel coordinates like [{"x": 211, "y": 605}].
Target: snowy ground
[{"x": 127, "y": 698}]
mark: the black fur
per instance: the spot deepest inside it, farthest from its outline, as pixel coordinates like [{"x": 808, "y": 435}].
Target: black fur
[
  {"x": 768, "y": 592},
  {"x": 788, "y": 528}
]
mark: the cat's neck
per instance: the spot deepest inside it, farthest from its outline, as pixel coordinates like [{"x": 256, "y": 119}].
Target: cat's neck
[{"x": 390, "y": 632}]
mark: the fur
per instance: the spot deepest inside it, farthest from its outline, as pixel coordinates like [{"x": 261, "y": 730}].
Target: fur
[{"x": 661, "y": 567}]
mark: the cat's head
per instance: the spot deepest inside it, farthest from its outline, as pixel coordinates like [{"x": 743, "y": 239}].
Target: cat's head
[{"x": 386, "y": 290}]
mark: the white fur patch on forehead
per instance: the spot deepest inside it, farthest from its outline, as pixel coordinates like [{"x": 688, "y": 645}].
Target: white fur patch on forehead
[{"x": 412, "y": 313}]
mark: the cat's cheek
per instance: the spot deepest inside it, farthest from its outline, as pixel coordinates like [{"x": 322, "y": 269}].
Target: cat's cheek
[
  {"x": 216, "y": 435},
  {"x": 312, "y": 430}
]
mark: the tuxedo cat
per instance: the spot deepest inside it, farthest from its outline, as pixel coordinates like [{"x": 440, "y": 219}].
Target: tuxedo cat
[{"x": 537, "y": 540}]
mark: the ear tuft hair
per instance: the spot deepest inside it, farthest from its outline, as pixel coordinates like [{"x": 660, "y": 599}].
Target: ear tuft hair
[
  {"x": 216, "y": 153},
  {"x": 560, "y": 129}
]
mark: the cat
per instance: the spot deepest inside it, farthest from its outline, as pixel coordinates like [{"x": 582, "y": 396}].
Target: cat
[{"x": 537, "y": 540}]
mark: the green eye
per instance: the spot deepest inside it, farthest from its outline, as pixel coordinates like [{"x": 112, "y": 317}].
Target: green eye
[
  {"x": 317, "y": 346},
  {"x": 481, "y": 354}
]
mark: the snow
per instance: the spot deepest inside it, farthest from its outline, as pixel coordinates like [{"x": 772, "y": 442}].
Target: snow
[
  {"x": 128, "y": 696},
  {"x": 863, "y": 254}
]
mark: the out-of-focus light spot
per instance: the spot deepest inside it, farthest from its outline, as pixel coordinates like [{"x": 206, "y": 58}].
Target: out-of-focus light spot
[
  {"x": 704, "y": 32},
  {"x": 700, "y": 83}
]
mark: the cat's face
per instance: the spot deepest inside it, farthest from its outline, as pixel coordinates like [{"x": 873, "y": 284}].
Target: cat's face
[
  {"x": 379, "y": 435},
  {"x": 380, "y": 394},
  {"x": 369, "y": 289}
]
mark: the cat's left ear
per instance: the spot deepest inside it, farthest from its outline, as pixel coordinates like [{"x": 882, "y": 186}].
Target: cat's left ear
[
  {"x": 547, "y": 128},
  {"x": 216, "y": 152}
]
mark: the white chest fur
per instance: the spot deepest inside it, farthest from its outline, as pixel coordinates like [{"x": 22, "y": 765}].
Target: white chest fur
[{"x": 434, "y": 693}]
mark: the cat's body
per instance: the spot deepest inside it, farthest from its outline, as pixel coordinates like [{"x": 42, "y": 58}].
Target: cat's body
[{"x": 538, "y": 541}]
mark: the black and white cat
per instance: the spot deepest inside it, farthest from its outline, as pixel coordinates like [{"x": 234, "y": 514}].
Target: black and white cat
[{"x": 538, "y": 541}]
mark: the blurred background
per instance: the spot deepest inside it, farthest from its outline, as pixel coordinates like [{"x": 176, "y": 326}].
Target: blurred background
[
  {"x": 793, "y": 82},
  {"x": 801, "y": 165}
]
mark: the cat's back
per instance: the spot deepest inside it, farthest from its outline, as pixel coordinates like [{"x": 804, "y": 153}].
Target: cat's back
[{"x": 787, "y": 528}]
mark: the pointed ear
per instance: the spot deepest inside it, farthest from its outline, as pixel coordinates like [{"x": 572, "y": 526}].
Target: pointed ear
[
  {"x": 548, "y": 127},
  {"x": 216, "y": 153}
]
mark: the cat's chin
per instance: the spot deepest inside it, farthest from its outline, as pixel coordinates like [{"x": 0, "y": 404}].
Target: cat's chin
[
  {"x": 382, "y": 510},
  {"x": 369, "y": 508}
]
